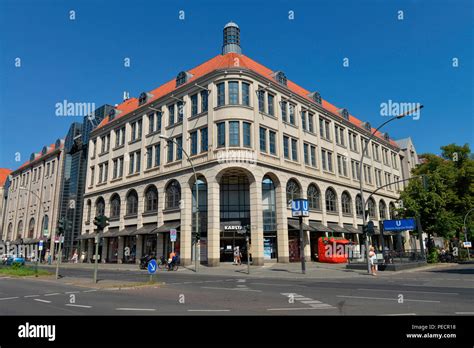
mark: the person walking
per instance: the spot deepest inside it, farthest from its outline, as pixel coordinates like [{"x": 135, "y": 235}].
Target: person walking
[
  {"x": 74, "y": 257},
  {"x": 372, "y": 260},
  {"x": 236, "y": 255}
]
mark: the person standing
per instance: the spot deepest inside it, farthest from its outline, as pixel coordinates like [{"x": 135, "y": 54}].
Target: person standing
[
  {"x": 372, "y": 259},
  {"x": 236, "y": 255}
]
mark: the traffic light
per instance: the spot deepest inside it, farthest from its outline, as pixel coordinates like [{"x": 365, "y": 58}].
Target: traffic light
[
  {"x": 61, "y": 226},
  {"x": 369, "y": 228},
  {"x": 101, "y": 222},
  {"x": 196, "y": 236}
]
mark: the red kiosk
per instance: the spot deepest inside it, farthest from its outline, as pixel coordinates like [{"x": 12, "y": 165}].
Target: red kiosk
[{"x": 332, "y": 249}]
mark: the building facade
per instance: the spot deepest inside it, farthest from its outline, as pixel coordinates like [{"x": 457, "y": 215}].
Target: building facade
[
  {"x": 31, "y": 211},
  {"x": 257, "y": 140},
  {"x": 4, "y": 184}
]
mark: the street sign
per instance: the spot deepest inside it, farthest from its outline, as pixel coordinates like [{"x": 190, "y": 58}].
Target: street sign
[
  {"x": 399, "y": 225},
  {"x": 467, "y": 244},
  {"x": 299, "y": 207},
  {"x": 40, "y": 245},
  {"x": 173, "y": 235},
  {"x": 152, "y": 266}
]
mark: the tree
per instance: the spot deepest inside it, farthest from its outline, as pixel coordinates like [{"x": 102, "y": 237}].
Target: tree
[{"x": 449, "y": 194}]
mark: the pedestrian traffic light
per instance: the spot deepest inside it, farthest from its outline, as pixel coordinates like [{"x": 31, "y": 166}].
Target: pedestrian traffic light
[
  {"x": 61, "y": 226},
  {"x": 196, "y": 236},
  {"x": 369, "y": 228},
  {"x": 101, "y": 222}
]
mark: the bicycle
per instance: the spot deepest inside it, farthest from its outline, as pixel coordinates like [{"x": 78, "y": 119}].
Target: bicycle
[{"x": 162, "y": 263}]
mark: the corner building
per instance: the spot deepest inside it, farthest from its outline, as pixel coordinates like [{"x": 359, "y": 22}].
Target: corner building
[{"x": 257, "y": 141}]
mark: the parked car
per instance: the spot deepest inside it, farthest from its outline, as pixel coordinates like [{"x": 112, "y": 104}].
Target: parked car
[{"x": 10, "y": 260}]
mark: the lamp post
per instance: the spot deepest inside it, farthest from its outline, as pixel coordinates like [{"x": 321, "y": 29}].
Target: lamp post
[
  {"x": 162, "y": 136},
  {"x": 465, "y": 231},
  {"x": 372, "y": 135}
]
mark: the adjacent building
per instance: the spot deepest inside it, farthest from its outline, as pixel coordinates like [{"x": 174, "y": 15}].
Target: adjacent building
[
  {"x": 4, "y": 184},
  {"x": 31, "y": 209},
  {"x": 408, "y": 156},
  {"x": 257, "y": 140}
]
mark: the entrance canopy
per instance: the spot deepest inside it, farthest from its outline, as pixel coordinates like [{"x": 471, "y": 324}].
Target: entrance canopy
[
  {"x": 127, "y": 231},
  {"x": 351, "y": 229},
  {"x": 336, "y": 228},
  {"x": 167, "y": 226},
  {"x": 145, "y": 229},
  {"x": 112, "y": 232},
  {"x": 295, "y": 225},
  {"x": 319, "y": 227}
]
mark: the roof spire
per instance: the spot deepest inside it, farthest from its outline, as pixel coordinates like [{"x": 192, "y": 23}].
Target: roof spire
[{"x": 231, "y": 39}]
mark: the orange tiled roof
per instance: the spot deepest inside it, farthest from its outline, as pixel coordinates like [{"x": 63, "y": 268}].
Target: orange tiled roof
[
  {"x": 4, "y": 172},
  {"x": 229, "y": 60},
  {"x": 51, "y": 147}
]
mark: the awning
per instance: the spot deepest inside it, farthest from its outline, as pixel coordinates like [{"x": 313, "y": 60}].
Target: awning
[
  {"x": 336, "y": 228},
  {"x": 167, "y": 226},
  {"x": 88, "y": 236},
  {"x": 295, "y": 225},
  {"x": 145, "y": 229},
  {"x": 319, "y": 227},
  {"x": 127, "y": 231},
  {"x": 351, "y": 229},
  {"x": 112, "y": 232},
  {"x": 30, "y": 241}
]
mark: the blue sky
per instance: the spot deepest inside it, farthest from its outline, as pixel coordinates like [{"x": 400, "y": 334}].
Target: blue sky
[{"x": 389, "y": 59}]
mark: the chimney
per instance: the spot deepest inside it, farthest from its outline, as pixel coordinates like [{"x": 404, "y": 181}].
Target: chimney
[{"x": 126, "y": 95}]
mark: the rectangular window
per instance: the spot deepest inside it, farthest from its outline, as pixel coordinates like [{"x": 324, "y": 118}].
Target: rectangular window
[
  {"x": 157, "y": 155},
  {"x": 159, "y": 116},
  {"x": 385, "y": 156},
  {"x": 120, "y": 167},
  {"x": 102, "y": 141},
  {"x": 321, "y": 128},
  {"x": 204, "y": 140},
  {"x": 286, "y": 146},
  {"x": 221, "y": 134},
  {"x": 394, "y": 160},
  {"x": 367, "y": 174},
  {"x": 171, "y": 115},
  {"x": 294, "y": 149},
  {"x": 306, "y": 153},
  {"x": 261, "y": 100},
  {"x": 47, "y": 174},
  {"x": 364, "y": 143},
  {"x": 272, "y": 141},
  {"x": 117, "y": 137},
  {"x": 180, "y": 107},
  {"x": 139, "y": 129},
  {"x": 375, "y": 152},
  {"x": 339, "y": 135},
  {"x": 263, "y": 139},
  {"x": 246, "y": 131},
  {"x": 353, "y": 141},
  {"x": 115, "y": 169},
  {"x": 355, "y": 170},
  {"x": 106, "y": 171},
  {"x": 378, "y": 178},
  {"x": 170, "y": 146},
  {"x": 234, "y": 134},
  {"x": 204, "y": 103},
  {"x": 303, "y": 120},
  {"x": 245, "y": 94},
  {"x": 132, "y": 163},
  {"x": 324, "y": 159},
  {"x": 220, "y": 94},
  {"x": 149, "y": 157},
  {"x": 330, "y": 161},
  {"x": 313, "y": 156},
  {"x": 101, "y": 171},
  {"x": 341, "y": 165},
  {"x": 194, "y": 105},
  {"x": 311, "y": 122},
  {"x": 122, "y": 142},
  {"x": 151, "y": 123},
  {"x": 52, "y": 171},
  {"x": 284, "y": 107},
  {"x": 138, "y": 156},
  {"x": 271, "y": 104},
  {"x": 292, "y": 113},
  {"x": 179, "y": 148},
  {"x": 194, "y": 143},
  {"x": 233, "y": 92}
]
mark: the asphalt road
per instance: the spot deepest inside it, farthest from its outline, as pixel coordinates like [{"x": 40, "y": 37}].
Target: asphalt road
[{"x": 435, "y": 292}]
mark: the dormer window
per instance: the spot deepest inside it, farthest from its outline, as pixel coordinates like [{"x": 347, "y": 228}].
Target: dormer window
[
  {"x": 182, "y": 78},
  {"x": 111, "y": 114},
  {"x": 58, "y": 144},
  {"x": 386, "y": 136},
  {"x": 281, "y": 78},
  {"x": 45, "y": 149},
  {"x": 142, "y": 98},
  {"x": 367, "y": 126},
  {"x": 344, "y": 113},
  {"x": 32, "y": 157},
  {"x": 316, "y": 97}
]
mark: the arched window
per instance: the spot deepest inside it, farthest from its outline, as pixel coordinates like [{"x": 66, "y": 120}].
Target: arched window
[
  {"x": 151, "y": 199},
  {"x": 115, "y": 206},
  {"x": 314, "y": 197},
  {"x": 100, "y": 207},
  {"x": 382, "y": 210},
  {"x": 371, "y": 208},
  {"x": 89, "y": 210},
  {"x": 393, "y": 211},
  {"x": 331, "y": 200},
  {"x": 346, "y": 203},
  {"x": 202, "y": 190},
  {"x": 173, "y": 194},
  {"x": 31, "y": 228},
  {"x": 359, "y": 209},
  {"x": 268, "y": 204},
  {"x": 132, "y": 203},
  {"x": 9, "y": 231},
  {"x": 19, "y": 230},
  {"x": 293, "y": 191}
]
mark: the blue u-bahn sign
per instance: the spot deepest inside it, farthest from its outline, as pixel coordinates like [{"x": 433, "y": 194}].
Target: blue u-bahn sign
[
  {"x": 399, "y": 225},
  {"x": 299, "y": 207}
]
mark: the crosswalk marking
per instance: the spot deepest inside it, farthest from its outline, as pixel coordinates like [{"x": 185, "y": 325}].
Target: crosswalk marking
[{"x": 314, "y": 304}]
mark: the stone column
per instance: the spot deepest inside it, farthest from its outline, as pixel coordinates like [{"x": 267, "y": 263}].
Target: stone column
[
  {"x": 213, "y": 229},
  {"x": 120, "y": 250},
  {"x": 105, "y": 248},
  {"x": 90, "y": 249},
  {"x": 186, "y": 225},
  {"x": 307, "y": 245},
  {"x": 282, "y": 224},
  {"x": 256, "y": 221},
  {"x": 139, "y": 248}
]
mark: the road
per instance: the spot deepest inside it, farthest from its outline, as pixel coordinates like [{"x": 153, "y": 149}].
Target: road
[{"x": 431, "y": 292}]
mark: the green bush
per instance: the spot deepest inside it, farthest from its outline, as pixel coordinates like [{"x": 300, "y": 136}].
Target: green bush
[
  {"x": 462, "y": 256},
  {"x": 433, "y": 257},
  {"x": 16, "y": 265}
]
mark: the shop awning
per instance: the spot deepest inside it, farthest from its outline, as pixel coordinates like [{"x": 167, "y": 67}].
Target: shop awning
[
  {"x": 295, "y": 225},
  {"x": 319, "y": 227},
  {"x": 336, "y": 228},
  {"x": 88, "y": 236},
  {"x": 112, "y": 232},
  {"x": 127, "y": 231},
  {"x": 145, "y": 229},
  {"x": 167, "y": 226},
  {"x": 351, "y": 229},
  {"x": 30, "y": 241}
]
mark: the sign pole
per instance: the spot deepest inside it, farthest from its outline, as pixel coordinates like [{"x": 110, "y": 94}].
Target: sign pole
[
  {"x": 248, "y": 254},
  {"x": 58, "y": 260},
  {"x": 420, "y": 236},
  {"x": 96, "y": 257},
  {"x": 303, "y": 264}
]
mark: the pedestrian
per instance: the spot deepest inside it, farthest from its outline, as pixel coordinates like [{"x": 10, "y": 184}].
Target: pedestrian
[
  {"x": 236, "y": 255},
  {"x": 239, "y": 259},
  {"x": 372, "y": 258},
  {"x": 74, "y": 256}
]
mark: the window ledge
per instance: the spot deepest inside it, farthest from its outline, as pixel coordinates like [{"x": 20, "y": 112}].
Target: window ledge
[
  {"x": 134, "y": 141},
  {"x": 347, "y": 214},
  {"x": 114, "y": 218},
  {"x": 292, "y": 161},
  {"x": 152, "y": 169},
  {"x": 169, "y": 164},
  {"x": 118, "y": 147},
  {"x": 171, "y": 210},
  {"x": 193, "y": 117},
  {"x": 116, "y": 179},
  {"x": 232, "y": 106},
  {"x": 328, "y": 172},
  {"x": 174, "y": 125},
  {"x": 132, "y": 175},
  {"x": 152, "y": 134},
  {"x": 150, "y": 213},
  {"x": 103, "y": 153},
  {"x": 334, "y": 213},
  {"x": 290, "y": 124},
  {"x": 130, "y": 216},
  {"x": 101, "y": 184},
  {"x": 264, "y": 114}
]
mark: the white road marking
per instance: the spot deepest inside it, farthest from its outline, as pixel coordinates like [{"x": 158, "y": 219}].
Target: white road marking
[
  {"x": 421, "y": 292},
  {"x": 28, "y": 296},
  {"x": 311, "y": 301},
  {"x": 8, "y": 298},
  {"x": 40, "y": 300},
  {"x": 298, "y": 309},
  {"x": 72, "y": 292},
  {"x": 54, "y": 294},
  {"x": 397, "y": 314},
  {"x": 241, "y": 280},
  {"x": 208, "y": 310},
  {"x": 302, "y": 298},
  {"x": 464, "y": 313},
  {"x": 136, "y": 309},
  {"x": 93, "y": 290},
  {"x": 386, "y": 298},
  {"x": 77, "y": 305},
  {"x": 231, "y": 289}
]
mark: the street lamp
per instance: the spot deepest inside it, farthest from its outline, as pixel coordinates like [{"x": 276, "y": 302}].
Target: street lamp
[
  {"x": 465, "y": 231},
  {"x": 162, "y": 136},
  {"x": 372, "y": 135}
]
